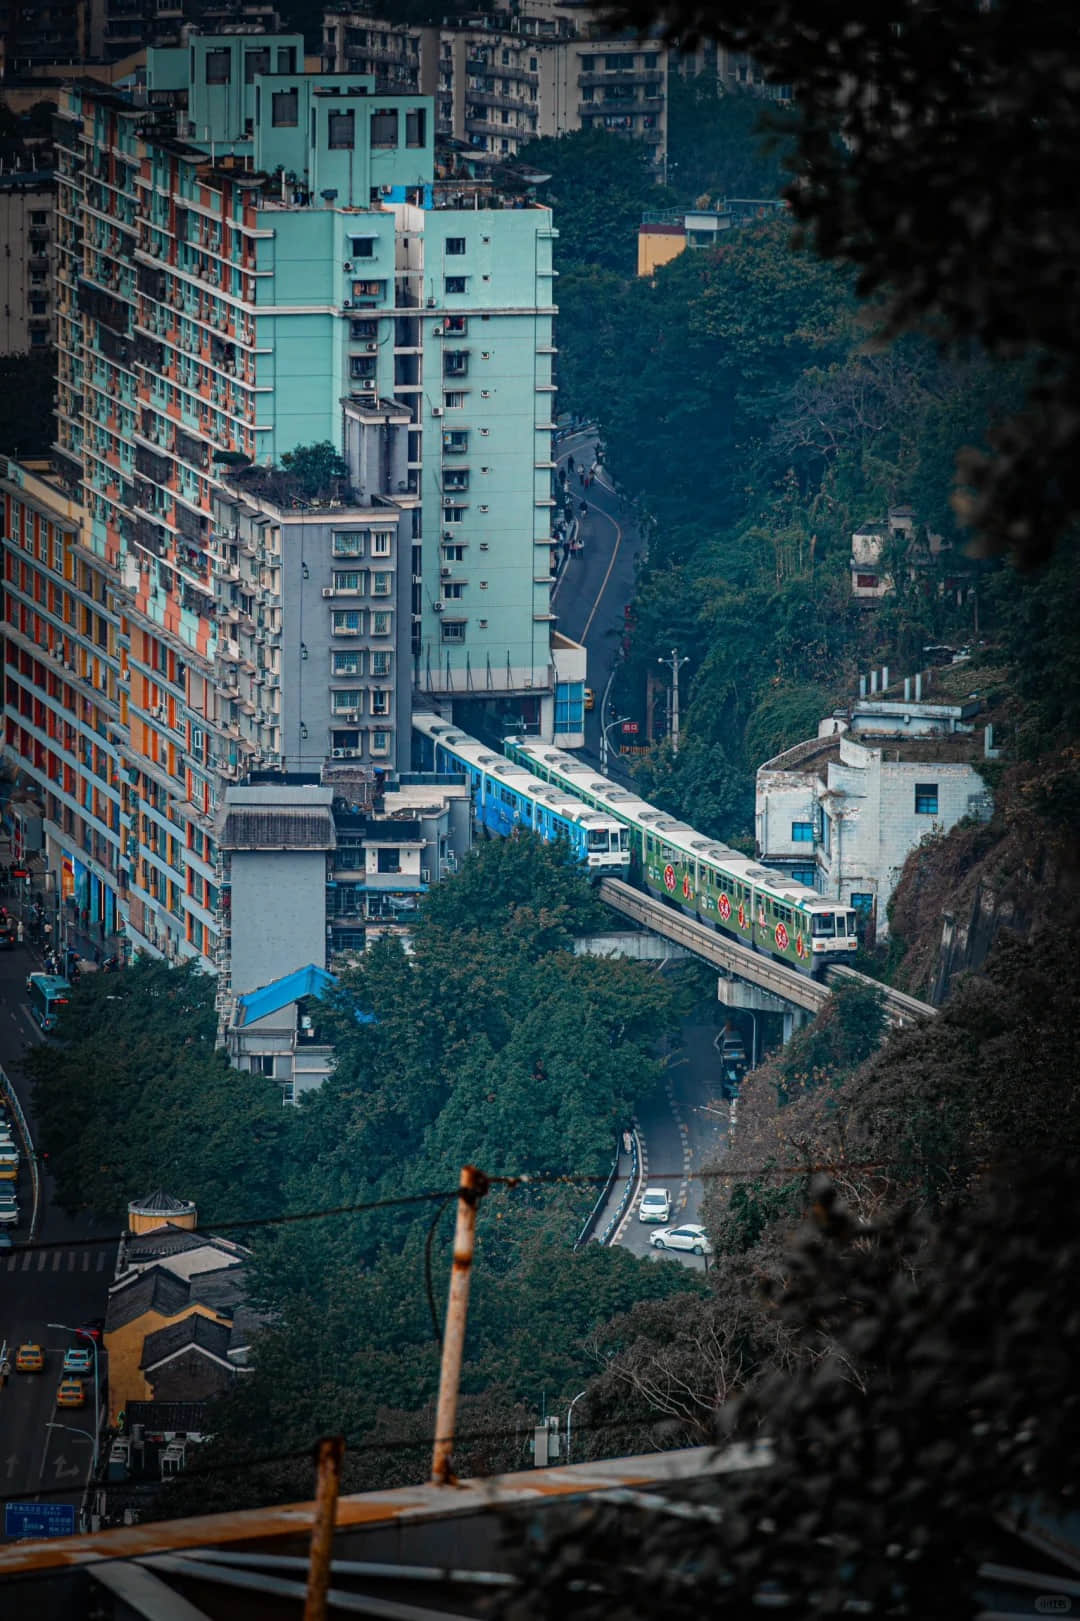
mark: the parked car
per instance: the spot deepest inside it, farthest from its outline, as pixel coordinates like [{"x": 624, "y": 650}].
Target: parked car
[
  {"x": 690, "y": 1237},
  {"x": 71, "y": 1393},
  {"x": 9, "y": 1210},
  {"x": 6, "y": 1241},
  {"x": 655, "y": 1205},
  {"x": 29, "y": 1358},
  {"x": 590, "y": 698},
  {"x": 94, "y": 1329},
  {"x": 78, "y": 1359}
]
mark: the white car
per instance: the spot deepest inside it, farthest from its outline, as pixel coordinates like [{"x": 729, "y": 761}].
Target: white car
[
  {"x": 655, "y": 1205},
  {"x": 690, "y": 1237}
]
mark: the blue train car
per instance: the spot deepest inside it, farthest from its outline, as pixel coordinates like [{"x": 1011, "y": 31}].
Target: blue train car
[{"x": 506, "y": 797}]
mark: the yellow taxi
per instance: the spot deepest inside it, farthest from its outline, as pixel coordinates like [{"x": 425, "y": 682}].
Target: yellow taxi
[
  {"x": 590, "y": 698},
  {"x": 29, "y": 1359},
  {"x": 71, "y": 1393}
]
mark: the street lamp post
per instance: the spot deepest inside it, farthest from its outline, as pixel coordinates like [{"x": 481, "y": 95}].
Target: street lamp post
[
  {"x": 604, "y": 730},
  {"x": 569, "y": 1414},
  {"x": 80, "y": 1334},
  {"x": 75, "y": 1430},
  {"x": 675, "y": 663}
]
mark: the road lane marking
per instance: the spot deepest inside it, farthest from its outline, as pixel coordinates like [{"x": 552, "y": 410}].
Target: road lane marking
[
  {"x": 607, "y": 576},
  {"x": 43, "y": 1256},
  {"x": 100, "y": 1260},
  {"x": 86, "y": 1261},
  {"x": 58, "y": 1256}
]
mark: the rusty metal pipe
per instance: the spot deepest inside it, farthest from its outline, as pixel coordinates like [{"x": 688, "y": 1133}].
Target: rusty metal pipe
[{"x": 328, "y": 1455}]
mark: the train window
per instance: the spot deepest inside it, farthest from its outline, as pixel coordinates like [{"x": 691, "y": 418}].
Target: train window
[
  {"x": 852, "y": 924},
  {"x": 823, "y": 925},
  {"x": 597, "y": 838},
  {"x": 624, "y": 838}
]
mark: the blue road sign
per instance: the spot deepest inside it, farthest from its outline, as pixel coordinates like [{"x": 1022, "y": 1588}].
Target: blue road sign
[{"x": 39, "y": 1519}]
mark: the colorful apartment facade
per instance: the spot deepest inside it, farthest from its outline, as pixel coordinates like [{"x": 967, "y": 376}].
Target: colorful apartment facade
[{"x": 250, "y": 260}]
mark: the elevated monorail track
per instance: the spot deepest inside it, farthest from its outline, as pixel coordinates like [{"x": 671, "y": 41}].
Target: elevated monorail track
[{"x": 731, "y": 957}]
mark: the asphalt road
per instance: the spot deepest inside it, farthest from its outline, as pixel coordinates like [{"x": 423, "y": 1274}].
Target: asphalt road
[{"x": 67, "y": 1283}]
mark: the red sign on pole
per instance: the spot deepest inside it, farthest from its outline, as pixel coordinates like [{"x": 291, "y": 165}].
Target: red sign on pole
[{"x": 630, "y": 727}]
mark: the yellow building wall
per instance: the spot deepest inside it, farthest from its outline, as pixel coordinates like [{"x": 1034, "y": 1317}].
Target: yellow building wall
[
  {"x": 125, "y": 1346},
  {"x": 656, "y": 248}
]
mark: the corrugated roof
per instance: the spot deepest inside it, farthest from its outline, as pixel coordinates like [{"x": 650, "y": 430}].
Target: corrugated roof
[
  {"x": 277, "y": 827},
  {"x": 309, "y": 981}
]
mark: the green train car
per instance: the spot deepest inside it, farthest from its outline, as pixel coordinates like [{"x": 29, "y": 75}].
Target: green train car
[{"x": 762, "y": 908}]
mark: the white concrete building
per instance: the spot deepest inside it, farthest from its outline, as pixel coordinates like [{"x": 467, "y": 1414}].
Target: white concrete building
[{"x": 844, "y": 810}]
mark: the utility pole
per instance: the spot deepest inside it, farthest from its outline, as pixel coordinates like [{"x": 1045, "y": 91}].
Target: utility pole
[
  {"x": 471, "y": 1189},
  {"x": 675, "y": 663}
]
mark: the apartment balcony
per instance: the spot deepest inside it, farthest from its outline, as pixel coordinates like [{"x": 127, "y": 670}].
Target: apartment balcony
[
  {"x": 488, "y": 98},
  {"x": 627, "y": 76}
]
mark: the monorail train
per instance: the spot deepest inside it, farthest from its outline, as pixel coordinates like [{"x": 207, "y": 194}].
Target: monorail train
[
  {"x": 506, "y": 796},
  {"x": 758, "y": 906}
]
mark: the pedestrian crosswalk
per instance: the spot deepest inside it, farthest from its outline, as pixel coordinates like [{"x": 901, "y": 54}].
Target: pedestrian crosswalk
[{"x": 77, "y": 1260}]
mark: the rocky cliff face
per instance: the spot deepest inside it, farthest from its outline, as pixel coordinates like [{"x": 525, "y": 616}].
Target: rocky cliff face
[{"x": 1017, "y": 872}]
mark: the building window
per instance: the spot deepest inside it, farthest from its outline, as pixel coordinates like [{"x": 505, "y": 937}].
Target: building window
[
  {"x": 380, "y": 662},
  {"x": 380, "y": 583},
  {"x": 455, "y": 362},
  {"x": 802, "y": 832},
  {"x": 456, "y": 478},
  {"x": 348, "y": 543},
  {"x": 38, "y": 216},
  {"x": 863, "y": 904},
  {"x": 453, "y": 591},
  {"x": 416, "y": 127},
  {"x": 454, "y": 399},
  {"x": 359, "y": 330},
  {"x": 380, "y": 702},
  {"x": 866, "y": 582},
  {"x": 363, "y": 247},
  {"x": 347, "y": 663},
  {"x": 352, "y": 580},
  {"x": 456, "y": 442},
  {"x": 346, "y": 622},
  {"x": 218, "y": 67},
  {"x": 453, "y": 554},
  {"x": 380, "y": 742},
  {"x": 384, "y": 126},
  {"x": 380, "y": 624},
  {"x": 457, "y": 284},
  {"x": 286, "y": 59},
  {"x": 805, "y": 875},
  {"x": 453, "y": 630},
  {"x": 361, "y": 366},
  {"x": 453, "y": 514},
  {"x": 341, "y": 131},
  {"x": 926, "y": 799},
  {"x": 381, "y": 542},
  {"x": 37, "y": 339},
  {"x": 344, "y": 700},
  {"x": 368, "y": 289},
  {"x": 284, "y": 109},
  {"x": 255, "y": 62},
  {"x": 457, "y": 324},
  {"x": 455, "y": 244}
]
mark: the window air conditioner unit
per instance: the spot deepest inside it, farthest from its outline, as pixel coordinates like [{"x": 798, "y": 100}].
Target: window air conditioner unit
[
  {"x": 438, "y": 410},
  {"x": 372, "y": 348},
  {"x": 347, "y": 265},
  {"x": 446, "y": 572},
  {"x": 327, "y": 590},
  {"x": 437, "y": 607},
  {"x": 352, "y": 754},
  {"x": 436, "y": 332},
  {"x": 346, "y": 303},
  {"x": 337, "y": 754}
]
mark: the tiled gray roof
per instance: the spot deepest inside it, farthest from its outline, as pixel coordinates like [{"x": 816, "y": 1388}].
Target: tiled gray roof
[
  {"x": 156, "y": 1289},
  {"x": 196, "y": 1331}
]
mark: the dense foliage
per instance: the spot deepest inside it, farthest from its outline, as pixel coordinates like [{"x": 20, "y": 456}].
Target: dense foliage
[
  {"x": 493, "y": 1044},
  {"x": 935, "y": 149}
]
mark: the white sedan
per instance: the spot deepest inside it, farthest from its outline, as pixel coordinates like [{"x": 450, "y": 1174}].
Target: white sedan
[
  {"x": 655, "y": 1205},
  {"x": 689, "y": 1237}
]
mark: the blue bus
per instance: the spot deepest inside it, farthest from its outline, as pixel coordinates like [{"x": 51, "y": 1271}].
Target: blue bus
[{"x": 48, "y": 993}]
